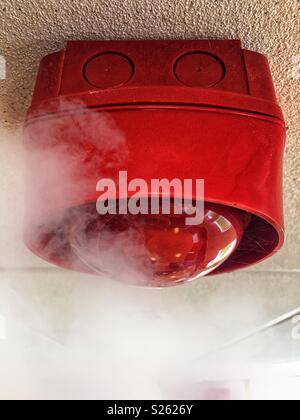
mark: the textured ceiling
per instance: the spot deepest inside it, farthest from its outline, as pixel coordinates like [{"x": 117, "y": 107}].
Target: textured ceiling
[
  {"x": 29, "y": 29},
  {"x": 32, "y": 28}
]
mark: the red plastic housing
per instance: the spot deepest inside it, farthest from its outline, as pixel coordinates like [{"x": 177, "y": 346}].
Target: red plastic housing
[{"x": 181, "y": 109}]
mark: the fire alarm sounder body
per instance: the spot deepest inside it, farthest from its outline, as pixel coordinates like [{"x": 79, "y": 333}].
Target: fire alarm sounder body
[{"x": 155, "y": 110}]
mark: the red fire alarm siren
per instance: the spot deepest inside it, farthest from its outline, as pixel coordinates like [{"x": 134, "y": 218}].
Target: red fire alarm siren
[{"x": 120, "y": 126}]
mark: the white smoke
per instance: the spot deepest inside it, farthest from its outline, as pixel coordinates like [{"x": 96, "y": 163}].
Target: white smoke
[
  {"x": 73, "y": 336},
  {"x": 55, "y": 167}
]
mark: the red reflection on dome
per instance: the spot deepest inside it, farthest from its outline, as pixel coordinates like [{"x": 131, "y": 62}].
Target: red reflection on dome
[{"x": 162, "y": 248}]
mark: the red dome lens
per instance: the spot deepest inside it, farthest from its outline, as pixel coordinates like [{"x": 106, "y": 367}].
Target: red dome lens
[{"x": 162, "y": 249}]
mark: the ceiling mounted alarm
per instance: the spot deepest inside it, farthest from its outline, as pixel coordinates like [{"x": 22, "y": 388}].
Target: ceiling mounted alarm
[{"x": 108, "y": 116}]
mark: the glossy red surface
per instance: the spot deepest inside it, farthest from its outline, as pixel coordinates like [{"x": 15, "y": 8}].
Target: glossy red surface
[
  {"x": 231, "y": 135},
  {"x": 162, "y": 248}
]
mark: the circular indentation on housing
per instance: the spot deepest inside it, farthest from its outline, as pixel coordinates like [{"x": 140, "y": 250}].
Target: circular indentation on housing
[
  {"x": 199, "y": 69},
  {"x": 108, "y": 70}
]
